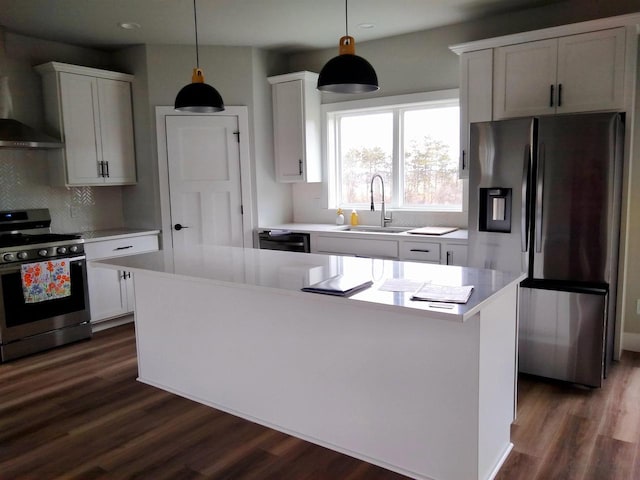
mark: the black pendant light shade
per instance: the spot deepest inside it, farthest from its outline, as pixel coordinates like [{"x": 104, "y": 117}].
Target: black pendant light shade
[
  {"x": 347, "y": 73},
  {"x": 198, "y": 96}
]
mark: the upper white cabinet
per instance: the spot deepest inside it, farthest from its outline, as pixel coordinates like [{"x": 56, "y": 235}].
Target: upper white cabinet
[
  {"x": 296, "y": 127},
  {"x": 476, "y": 86},
  {"x": 90, "y": 110},
  {"x": 575, "y": 73}
]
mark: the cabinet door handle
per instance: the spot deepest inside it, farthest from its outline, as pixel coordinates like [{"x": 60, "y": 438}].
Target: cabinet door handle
[
  {"x": 123, "y": 248},
  {"x": 464, "y": 160},
  {"x": 300, "y": 166},
  {"x": 448, "y": 258},
  {"x": 107, "y": 165},
  {"x": 559, "y": 94},
  {"x": 551, "y": 96},
  {"x": 178, "y": 227},
  {"x": 421, "y": 250},
  {"x": 101, "y": 169}
]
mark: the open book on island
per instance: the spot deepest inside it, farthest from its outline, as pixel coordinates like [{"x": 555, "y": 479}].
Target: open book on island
[
  {"x": 340, "y": 285},
  {"x": 443, "y": 293}
]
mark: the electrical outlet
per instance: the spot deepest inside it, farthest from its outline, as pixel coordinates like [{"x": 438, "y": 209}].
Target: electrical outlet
[{"x": 74, "y": 211}]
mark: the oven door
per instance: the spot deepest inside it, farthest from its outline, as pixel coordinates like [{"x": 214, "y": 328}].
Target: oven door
[{"x": 19, "y": 320}]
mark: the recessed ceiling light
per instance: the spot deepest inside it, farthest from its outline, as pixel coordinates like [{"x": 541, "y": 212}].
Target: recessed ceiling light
[
  {"x": 129, "y": 25},
  {"x": 366, "y": 25}
]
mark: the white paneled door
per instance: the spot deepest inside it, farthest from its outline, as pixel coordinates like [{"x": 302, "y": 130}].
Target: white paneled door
[{"x": 204, "y": 180}]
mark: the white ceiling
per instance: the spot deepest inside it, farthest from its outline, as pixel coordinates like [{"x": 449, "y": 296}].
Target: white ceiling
[{"x": 275, "y": 24}]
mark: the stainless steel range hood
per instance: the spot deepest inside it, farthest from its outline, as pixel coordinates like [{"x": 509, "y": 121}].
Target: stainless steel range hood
[{"x": 14, "y": 134}]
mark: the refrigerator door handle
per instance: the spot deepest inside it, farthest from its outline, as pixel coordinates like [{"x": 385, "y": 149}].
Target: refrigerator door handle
[
  {"x": 524, "y": 216},
  {"x": 539, "y": 194}
]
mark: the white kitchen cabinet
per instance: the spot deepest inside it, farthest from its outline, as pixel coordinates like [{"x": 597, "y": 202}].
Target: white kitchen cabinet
[
  {"x": 575, "y": 73},
  {"x": 356, "y": 246},
  {"x": 454, "y": 254},
  {"x": 296, "y": 127},
  {"x": 476, "y": 88},
  {"x": 90, "y": 110},
  {"x": 420, "y": 251},
  {"x": 111, "y": 292}
]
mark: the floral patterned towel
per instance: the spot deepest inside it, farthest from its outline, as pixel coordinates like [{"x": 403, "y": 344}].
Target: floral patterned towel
[{"x": 45, "y": 280}]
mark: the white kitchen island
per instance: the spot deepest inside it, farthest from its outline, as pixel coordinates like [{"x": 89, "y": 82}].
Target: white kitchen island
[{"x": 421, "y": 388}]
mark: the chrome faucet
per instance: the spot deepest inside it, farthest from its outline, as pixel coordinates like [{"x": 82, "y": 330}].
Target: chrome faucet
[{"x": 383, "y": 217}]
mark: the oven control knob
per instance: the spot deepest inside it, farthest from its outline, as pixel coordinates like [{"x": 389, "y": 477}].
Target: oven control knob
[
  {"x": 9, "y": 257},
  {"x": 22, "y": 255},
  {"x": 73, "y": 248},
  {"x": 43, "y": 252},
  {"x": 61, "y": 250}
]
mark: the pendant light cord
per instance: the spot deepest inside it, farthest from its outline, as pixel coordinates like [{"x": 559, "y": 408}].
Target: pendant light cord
[
  {"x": 195, "y": 22},
  {"x": 346, "y": 17}
]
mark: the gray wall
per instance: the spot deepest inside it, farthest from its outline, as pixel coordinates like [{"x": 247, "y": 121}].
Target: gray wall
[
  {"x": 239, "y": 74},
  {"x": 24, "y": 175},
  {"x": 422, "y": 61}
]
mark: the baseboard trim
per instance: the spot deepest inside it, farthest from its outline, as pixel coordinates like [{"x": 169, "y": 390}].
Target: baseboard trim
[
  {"x": 112, "y": 322},
  {"x": 631, "y": 341}
]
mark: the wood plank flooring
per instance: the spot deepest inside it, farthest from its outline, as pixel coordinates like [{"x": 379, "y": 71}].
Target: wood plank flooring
[{"x": 77, "y": 412}]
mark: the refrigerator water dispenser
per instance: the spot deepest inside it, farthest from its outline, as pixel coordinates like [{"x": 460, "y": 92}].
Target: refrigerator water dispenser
[{"x": 495, "y": 210}]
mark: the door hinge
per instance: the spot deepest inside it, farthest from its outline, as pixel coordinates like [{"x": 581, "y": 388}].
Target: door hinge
[
  {"x": 241, "y": 210},
  {"x": 237, "y": 134}
]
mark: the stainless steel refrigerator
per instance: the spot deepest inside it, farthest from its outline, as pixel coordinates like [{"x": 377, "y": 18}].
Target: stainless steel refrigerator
[{"x": 544, "y": 198}]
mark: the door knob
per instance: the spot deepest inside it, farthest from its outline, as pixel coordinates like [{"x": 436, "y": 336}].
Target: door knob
[{"x": 178, "y": 227}]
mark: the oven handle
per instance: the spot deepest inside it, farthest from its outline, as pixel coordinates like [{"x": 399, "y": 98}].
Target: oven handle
[{"x": 17, "y": 267}]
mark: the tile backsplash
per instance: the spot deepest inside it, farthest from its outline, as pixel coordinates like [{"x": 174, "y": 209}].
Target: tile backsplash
[{"x": 24, "y": 183}]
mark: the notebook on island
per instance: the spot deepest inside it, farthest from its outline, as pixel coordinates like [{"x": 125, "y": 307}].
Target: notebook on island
[
  {"x": 443, "y": 293},
  {"x": 341, "y": 285}
]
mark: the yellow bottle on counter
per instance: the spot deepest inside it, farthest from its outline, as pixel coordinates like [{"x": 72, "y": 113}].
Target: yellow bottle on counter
[{"x": 354, "y": 218}]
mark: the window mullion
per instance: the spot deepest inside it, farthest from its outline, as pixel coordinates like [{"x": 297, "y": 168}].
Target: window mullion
[{"x": 398, "y": 188}]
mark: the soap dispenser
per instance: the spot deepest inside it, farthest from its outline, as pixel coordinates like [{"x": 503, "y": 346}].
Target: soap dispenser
[
  {"x": 339, "y": 217},
  {"x": 354, "y": 218}
]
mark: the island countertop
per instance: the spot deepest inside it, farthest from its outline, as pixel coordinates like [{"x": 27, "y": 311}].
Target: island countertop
[{"x": 288, "y": 272}]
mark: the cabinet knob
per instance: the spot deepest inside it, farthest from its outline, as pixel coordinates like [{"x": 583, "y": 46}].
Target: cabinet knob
[{"x": 179, "y": 227}]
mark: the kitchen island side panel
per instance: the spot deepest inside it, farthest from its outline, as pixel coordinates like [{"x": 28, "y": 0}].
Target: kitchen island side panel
[{"x": 397, "y": 390}]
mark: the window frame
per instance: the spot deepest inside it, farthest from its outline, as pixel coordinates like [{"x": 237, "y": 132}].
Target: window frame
[{"x": 398, "y": 103}]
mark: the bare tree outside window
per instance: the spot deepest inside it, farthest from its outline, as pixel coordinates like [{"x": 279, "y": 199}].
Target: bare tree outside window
[{"x": 415, "y": 149}]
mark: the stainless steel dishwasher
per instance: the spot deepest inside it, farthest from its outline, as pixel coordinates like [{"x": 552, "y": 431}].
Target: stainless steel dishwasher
[{"x": 287, "y": 241}]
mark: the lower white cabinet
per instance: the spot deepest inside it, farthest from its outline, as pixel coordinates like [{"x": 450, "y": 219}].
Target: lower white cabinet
[
  {"x": 111, "y": 292},
  {"x": 420, "y": 251},
  {"x": 359, "y": 247},
  {"x": 415, "y": 249},
  {"x": 454, "y": 254}
]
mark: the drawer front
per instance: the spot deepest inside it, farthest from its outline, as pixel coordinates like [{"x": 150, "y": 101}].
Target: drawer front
[
  {"x": 422, "y": 251},
  {"x": 121, "y": 247},
  {"x": 357, "y": 246}
]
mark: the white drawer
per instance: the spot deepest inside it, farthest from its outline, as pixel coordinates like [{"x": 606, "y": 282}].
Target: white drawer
[
  {"x": 121, "y": 247},
  {"x": 357, "y": 246},
  {"x": 422, "y": 251}
]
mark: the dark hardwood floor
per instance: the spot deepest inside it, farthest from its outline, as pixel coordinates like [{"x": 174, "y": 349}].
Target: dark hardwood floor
[{"x": 77, "y": 412}]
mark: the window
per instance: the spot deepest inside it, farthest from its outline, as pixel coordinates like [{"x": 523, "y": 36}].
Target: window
[{"x": 414, "y": 146}]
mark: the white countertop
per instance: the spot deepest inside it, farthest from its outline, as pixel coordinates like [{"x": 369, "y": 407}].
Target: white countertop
[
  {"x": 288, "y": 272},
  {"x": 115, "y": 233},
  {"x": 460, "y": 234}
]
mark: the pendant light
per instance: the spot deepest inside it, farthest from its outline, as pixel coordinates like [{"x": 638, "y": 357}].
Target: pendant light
[
  {"x": 198, "y": 96},
  {"x": 347, "y": 73}
]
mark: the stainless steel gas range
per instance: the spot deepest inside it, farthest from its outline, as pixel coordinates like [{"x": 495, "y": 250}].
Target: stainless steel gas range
[{"x": 44, "y": 298}]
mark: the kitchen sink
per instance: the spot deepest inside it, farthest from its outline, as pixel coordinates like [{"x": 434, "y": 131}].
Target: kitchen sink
[{"x": 374, "y": 229}]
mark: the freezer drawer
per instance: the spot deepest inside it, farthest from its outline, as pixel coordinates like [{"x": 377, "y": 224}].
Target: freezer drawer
[{"x": 562, "y": 334}]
